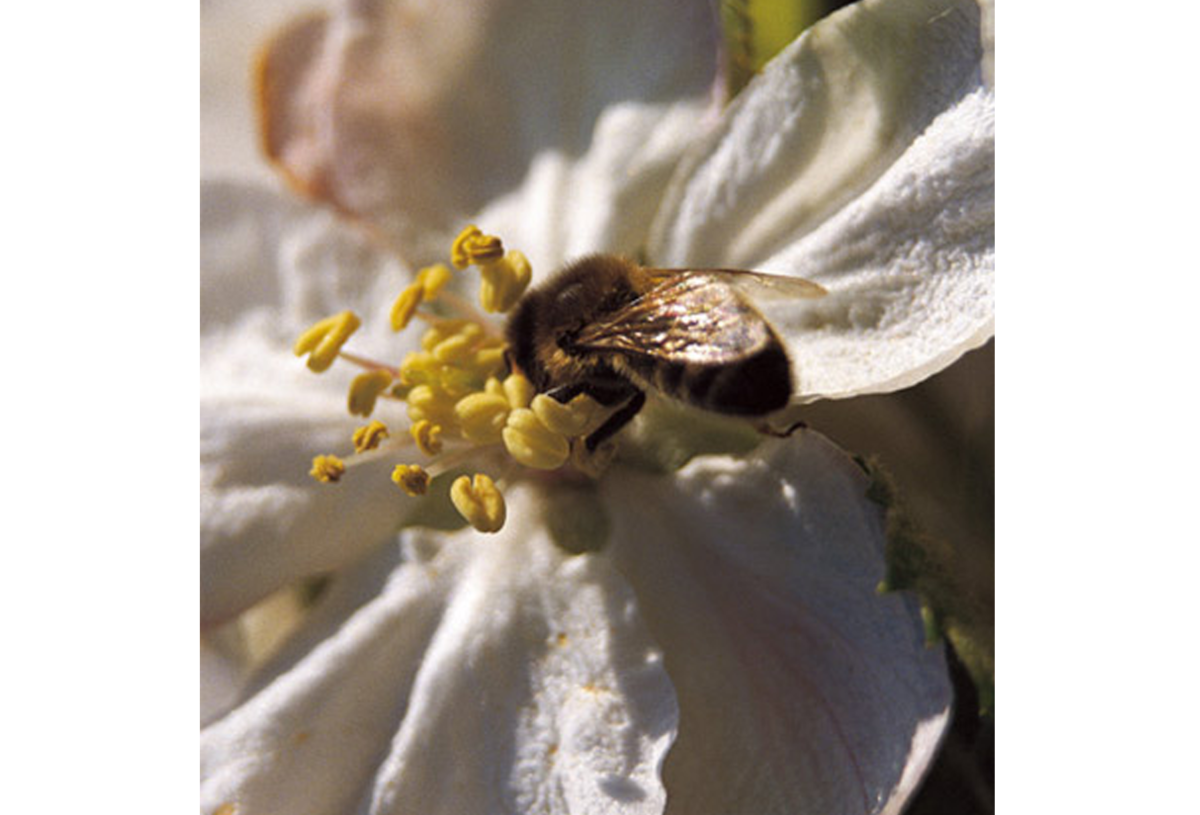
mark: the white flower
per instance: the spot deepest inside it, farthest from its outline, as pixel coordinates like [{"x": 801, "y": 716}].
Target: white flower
[{"x": 707, "y": 640}]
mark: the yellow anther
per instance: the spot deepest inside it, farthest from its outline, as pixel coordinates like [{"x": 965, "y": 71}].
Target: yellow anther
[
  {"x": 482, "y": 416},
  {"x": 459, "y": 346},
  {"x": 458, "y": 382},
  {"x": 493, "y": 386},
  {"x": 519, "y": 390},
  {"x": 419, "y": 368},
  {"x": 428, "y": 437},
  {"x": 489, "y": 358},
  {"x": 485, "y": 249},
  {"x": 323, "y": 341},
  {"x": 440, "y": 331},
  {"x": 429, "y": 282},
  {"x": 533, "y": 444},
  {"x": 365, "y": 389},
  {"x": 368, "y": 437},
  {"x": 434, "y": 404},
  {"x": 503, "y": 282},
  {"x": 433, "y": 278},
  {"x": 472, "y": 246},
  {"x": 458, "y": 250},
  {"x": 406, "y": 306},
  {"x": 411, "y": 478},
  {"x": 479, "y": 501},
  {"x": 327, "y": 469},
  {"x": 572, "y": 419}
]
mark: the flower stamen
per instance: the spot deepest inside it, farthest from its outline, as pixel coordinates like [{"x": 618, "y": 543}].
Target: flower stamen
[
  {"x": 369, "y": 436},
  {"x": 472, "y": 246},
  {"x": 365, "y": 389},
  {"x": 503, "y": 282},
  {"x": 479, "y": 502},
  {"x": 530, "y": 442},
  {"x": 424, "y": 289},
  {"x": 428, "y": 437},
  {"x": 575, "y": 418},
  {"x": 463, "y": 401},
  {"x": 412, "y": 478},
  {"x": 327, "y": 469},
  {"x": 325, "y": 339}
]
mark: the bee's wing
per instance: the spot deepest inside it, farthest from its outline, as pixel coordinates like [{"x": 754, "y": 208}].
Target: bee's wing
[
  {"x": 687, "y": 316},
  {"x": 758, "y": 285}
]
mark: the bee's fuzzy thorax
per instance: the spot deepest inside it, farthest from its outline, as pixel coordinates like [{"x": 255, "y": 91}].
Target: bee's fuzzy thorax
[{"x": 541, "y": 328}]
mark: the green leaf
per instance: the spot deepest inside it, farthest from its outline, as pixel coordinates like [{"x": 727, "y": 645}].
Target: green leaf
[
  {"x": 756, "y": 30},
  {"x": 956, "y": 604}
]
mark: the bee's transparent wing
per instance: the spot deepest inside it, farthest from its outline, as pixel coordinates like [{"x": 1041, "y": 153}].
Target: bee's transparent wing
[
  {"x": 757, "y": 285},
  {"x": 688, "y": 316}
]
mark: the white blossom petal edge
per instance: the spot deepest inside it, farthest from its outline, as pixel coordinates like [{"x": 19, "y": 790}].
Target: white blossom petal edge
[
  {"x": 271, "y": 267},
  {"x": 863, "y": 158},
  {"x": 801, "y": 689}
]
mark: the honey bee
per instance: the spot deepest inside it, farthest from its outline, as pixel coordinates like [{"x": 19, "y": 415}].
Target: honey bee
[{"x": 612, "y": 329}]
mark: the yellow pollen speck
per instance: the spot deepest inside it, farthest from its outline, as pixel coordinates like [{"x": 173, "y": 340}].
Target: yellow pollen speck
[
  {"x": 227, "y": 808},
  {"x": 572, "y": 419},
  {"x": 365, "y": 389},
  {"x": 533, "y": 444},
  {"x": 369, "y": 437},
  {"x": 428, "y": 437},
  {"x": 418, "y": 368},
  {"x": 459, "y": 346},
  {"x": 327, "y": 469},
  {"x": 425, "y": 288},
  {"x": 490, "y": 357},
  {"x": 482, "y": 416},
  {"x": 325, "y": 339},
  {"x": 440, "y": 331},
  {"x": 494, "y": 387},
  {"x": 519, "y": 390},
  {"x": 406, "y": 306},
  {"x": 472, "y": 246},
  {"x": 432, "y": 279},
  {"x": 411, "y": 478},
  {"x": 479, "y": 501},
  {"x": 504, "y": 281},
  {"x": 433, "y": 404}
]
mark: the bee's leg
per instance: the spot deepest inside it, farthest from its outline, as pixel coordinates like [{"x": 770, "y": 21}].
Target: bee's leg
[
  {"x": 606, "y": 393},
  {"x": 565, "y": 393},
  {"x": 616, "y": 421}
]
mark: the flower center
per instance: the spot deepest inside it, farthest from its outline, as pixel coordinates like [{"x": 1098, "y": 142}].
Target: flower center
[{"x": 465, "y": 405}]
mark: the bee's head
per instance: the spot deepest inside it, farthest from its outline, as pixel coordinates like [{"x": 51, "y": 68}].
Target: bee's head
[{"x": 524, "y": 329}]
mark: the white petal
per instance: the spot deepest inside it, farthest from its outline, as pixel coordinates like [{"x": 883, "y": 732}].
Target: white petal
[
  {"x": 570, "y": 707},
  {"x": 862, "y": 158},
  {"x": 501, "y": 674},
  {"x": 417, "y": 120},
  {"x": 800, "y": 688},
  {"x": 309, "y": 742},
  {"x": 269, "y": 269}
]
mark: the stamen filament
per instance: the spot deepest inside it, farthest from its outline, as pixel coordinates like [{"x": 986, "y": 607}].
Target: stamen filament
[{"x": 369, "y": 364}]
